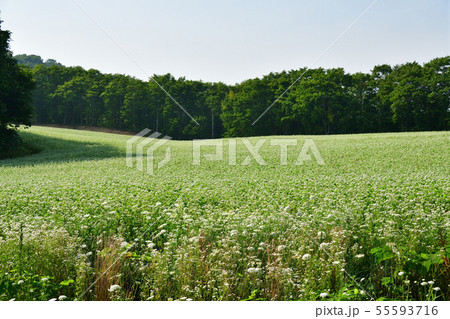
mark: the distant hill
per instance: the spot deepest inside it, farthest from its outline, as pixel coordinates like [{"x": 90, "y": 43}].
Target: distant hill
[{"x": 32, "y": 60}]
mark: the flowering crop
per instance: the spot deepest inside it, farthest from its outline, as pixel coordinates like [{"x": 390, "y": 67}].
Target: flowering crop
[{"x": 373, "y": 222}]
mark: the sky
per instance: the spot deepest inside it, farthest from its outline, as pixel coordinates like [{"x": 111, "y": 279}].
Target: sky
[{"x": 228, "y": 40}]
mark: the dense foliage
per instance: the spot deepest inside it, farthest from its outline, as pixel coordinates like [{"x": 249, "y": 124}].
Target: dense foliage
[
  {"x": 15, "y": 97},
  {"x": 407, "y": 97},
  {"x": 378, "y": 209},
  {"x": 32, "y": 60}
]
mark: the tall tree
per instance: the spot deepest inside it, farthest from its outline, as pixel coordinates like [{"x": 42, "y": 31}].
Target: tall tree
[{"x": 16, "y": 85}]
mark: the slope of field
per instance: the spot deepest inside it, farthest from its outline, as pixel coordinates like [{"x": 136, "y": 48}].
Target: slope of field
[{"x": 373, "y": 222}]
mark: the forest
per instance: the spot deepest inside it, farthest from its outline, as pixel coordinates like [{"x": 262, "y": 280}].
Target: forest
[{"x": 406, "y": 97}]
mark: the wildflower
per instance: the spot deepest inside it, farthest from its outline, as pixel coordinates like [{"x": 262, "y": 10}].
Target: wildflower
[
  {"x": 324, "y": 245},
  {"x": 436, "y": 288},
  {"x": 253, "y": 270},
  {"x": 407, "y": 282},
  {"x": 323, "y": 295},
  {"x": 189, "y": 299},
  {"x": 114, "y": 288},
  {"x": 281, "y": 247},
  {"x": 401, "y": 273},
  {"x": 423, "y": 283},
  {"x": 62, "y": 297},
  {"x": 321, "y": 234},
  {"x": 123, "y": 245},
  {"x": 359, "y": 256},
  {"x": 287, "y": 271},
  {"x": 306, "y": 257},
  {"x": 20, "y": 282},
  {"x": 431, "y": 282},
  {"x": 44, "y": 279},
  {"x": 53, "y": 299}
]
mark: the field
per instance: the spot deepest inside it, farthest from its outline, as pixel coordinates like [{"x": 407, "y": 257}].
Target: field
[{"x": 373, "y": 222}]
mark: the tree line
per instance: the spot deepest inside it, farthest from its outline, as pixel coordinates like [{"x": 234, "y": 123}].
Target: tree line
[{"x": 406, "y": 97}]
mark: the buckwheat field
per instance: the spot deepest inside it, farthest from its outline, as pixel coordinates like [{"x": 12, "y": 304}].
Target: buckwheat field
[{"x": 373, "y": 222}]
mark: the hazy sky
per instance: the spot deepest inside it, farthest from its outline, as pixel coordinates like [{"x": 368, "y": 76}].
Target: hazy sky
[{"x": 228, "y": 40}]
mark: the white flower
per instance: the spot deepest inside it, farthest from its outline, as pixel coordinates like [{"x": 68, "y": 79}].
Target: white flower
[
  {"x": 324, "y": 245},
  {"x": 53, "y": 299},
  {"x": 423, "y": 283},
  {"x": 123, "y": 245},
  {"x": 431, "y": 282},
  {"x": 401, "y": 273},
  {"x": 189, "y": 299},
  {"x": 407, "y": 282},
  {"x": 323, "y": 295},
  {"x": 114, "y": 288},
  {"x": 306, "y": 257},
  {"x": 321, "y": 234},
  {"x": 44, "y": 279},
  {"x": 253, "y": 270},
  {"x": 436, "y": 288},
  {"x": 234, "y": 232},
  {"x": 281, "y": 247},
  {"x": 287, "y": 271},
  {"x": 62, "y": 297},
  {"x": 20, "y": 282},
  {"x": 359, "y": 256}
]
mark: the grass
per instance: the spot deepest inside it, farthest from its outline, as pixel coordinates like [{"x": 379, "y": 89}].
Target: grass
[{"x": 75, "y": 222}]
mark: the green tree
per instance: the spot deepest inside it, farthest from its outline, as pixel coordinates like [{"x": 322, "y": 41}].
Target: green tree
[
  {"x": 437, "y": 114},
  {"x": 321, "y": 102},
  {"x": 16, "y": 85}
]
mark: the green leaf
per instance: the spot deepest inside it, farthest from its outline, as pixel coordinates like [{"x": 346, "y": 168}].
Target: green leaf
[
  {"x": 426, "y": 264},
  {"x": 66, "y": 282},
  {"x": 386, "y": 281},
  {"x": 375, "y": 250}
]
